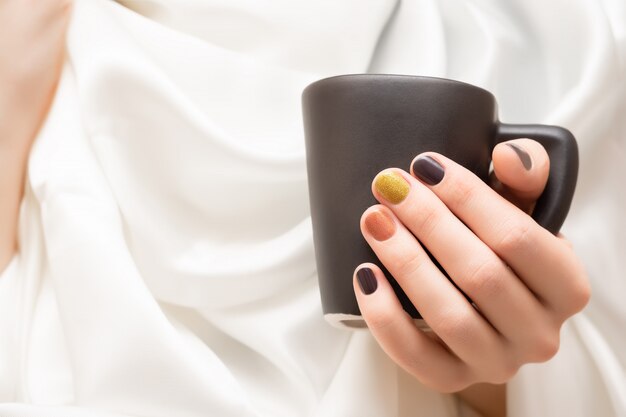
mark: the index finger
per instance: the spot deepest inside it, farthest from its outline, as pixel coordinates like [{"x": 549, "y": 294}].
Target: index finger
[{"x": 529, "y": 249}]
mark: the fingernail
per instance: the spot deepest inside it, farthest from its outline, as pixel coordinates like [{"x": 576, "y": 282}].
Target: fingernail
[
  {"x": 391, "y": 186},
  {"x": 367, "y": 280},
  {"x": 523, "y": 156},
  {"x": 428, "y": 170},
  {"x": 380, "y": 225}
]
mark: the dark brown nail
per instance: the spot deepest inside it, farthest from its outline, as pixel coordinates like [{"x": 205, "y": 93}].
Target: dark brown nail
[
  {"x": 367, "y": 280},
  {"x": 428, "y": 170},
  {"x": 523, "y": 156}
]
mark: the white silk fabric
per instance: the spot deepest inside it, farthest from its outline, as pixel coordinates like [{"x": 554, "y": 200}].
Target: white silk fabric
[{"x": 166, "y": 264}]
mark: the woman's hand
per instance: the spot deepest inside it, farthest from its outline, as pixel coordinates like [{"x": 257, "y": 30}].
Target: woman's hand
[
  {"x": 524, "y": 281},
  {"x": 32, "y": 48}
]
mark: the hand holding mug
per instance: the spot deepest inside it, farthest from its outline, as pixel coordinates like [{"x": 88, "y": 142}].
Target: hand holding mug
[{"x": 522, "y": 282}]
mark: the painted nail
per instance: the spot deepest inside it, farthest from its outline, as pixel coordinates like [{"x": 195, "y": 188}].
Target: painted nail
[
  {"x": 367, "y": 280},
  {"x": 380, "y": 225},
  {"x": 523, "y": 156},
  {"x": 428, "y": 170},
  {"x": 391, "y": 186}
]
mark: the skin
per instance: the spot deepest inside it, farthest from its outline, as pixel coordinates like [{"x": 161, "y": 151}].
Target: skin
[
  {"x": 469, "y": 353},
  {"x": 32, "y": 47}
]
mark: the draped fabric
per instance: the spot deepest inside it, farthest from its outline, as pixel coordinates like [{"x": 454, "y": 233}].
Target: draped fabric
[{"x": 166, "y": 265}]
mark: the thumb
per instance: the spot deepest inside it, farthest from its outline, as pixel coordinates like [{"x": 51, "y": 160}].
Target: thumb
[{"x": 520, "y": 171}]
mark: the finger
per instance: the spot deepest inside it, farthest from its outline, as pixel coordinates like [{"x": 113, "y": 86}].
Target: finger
[
  {"x": 423, "y": 357},
  {"x": 565, "y": 241},
  {"x": 520, "y": 169},
  {"x": 443, "y": 307},
  {"x": 536, "y": 256},
  {"x": 497, "y": 292}
]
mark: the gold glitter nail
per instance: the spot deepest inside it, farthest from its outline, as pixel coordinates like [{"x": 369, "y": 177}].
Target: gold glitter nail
[{"x": 392, "y": 186}]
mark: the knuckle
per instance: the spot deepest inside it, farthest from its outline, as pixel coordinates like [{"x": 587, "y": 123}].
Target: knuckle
[
  {"x": 485, "y": 278},
  {"x": 509, "y": 369},
  {"x": 427, "y": 222},
  {"x": 544, "y": 347},
  {"x": 461, "y": 193},
  {"x": 515, "y": 237},
  {"x": 456, "y": 326},
  {"x": 577, "y": 294},
  {"x": 581, "y": 294},
  {"x": 408, "y": 266}
]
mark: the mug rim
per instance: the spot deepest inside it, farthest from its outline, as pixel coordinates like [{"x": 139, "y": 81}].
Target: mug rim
[{"x": 325, "y": 80}]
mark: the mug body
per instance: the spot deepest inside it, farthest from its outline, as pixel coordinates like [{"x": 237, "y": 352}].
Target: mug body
[{"x": 359, "y": 124}]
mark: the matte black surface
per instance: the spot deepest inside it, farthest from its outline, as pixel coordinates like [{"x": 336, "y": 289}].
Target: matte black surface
[{"x": 357, "y": 125}]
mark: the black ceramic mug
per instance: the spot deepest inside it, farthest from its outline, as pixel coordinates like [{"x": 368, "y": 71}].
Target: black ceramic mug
[{"x": 359, "y": 124}]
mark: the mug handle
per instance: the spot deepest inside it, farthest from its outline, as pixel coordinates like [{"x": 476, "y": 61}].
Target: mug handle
[{"x": 553, "y": 205}]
